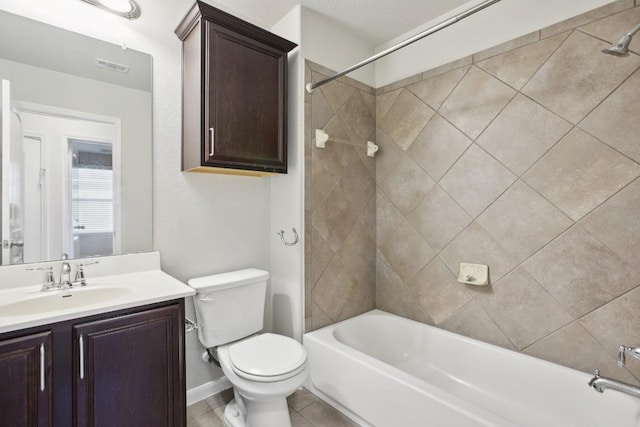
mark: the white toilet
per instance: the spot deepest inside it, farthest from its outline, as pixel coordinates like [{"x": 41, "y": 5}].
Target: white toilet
[{"x": 263, "y": 368}]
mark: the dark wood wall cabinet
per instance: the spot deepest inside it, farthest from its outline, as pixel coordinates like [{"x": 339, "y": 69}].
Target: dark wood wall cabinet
[
  {"x": 234, "y": 95},
  {"x": 122, "y": 369}
]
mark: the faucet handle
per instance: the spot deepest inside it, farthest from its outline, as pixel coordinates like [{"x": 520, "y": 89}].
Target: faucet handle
[
  {"x": 49, "y": 282},
  {"x": 49, "y": 279},
  {"x": 634, "y": 350},
  {"x": 86, "y": 264},
  {"x": 621, "y": 358},
  {"x": 40, "y": 268},
  {"x": 593, "y": 381},
  {"x": 80, "y": 277}
]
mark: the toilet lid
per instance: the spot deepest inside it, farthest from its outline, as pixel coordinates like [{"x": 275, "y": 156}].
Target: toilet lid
[{"x": 267, "y": 355}]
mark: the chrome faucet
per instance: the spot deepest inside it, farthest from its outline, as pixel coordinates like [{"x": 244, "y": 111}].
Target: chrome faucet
[
  {"x": 633, "y": 350},
  {"x": 65, "y": 273},
  {"x": 600, "y": 384},
  {"x": 65, "y": 282}
]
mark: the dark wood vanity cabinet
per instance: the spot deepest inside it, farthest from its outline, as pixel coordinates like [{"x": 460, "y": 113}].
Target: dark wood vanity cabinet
[
  {"x": 25, "y": 381},
  {"x": 122, "y": 369},
  {"x": 127, "y": 368},
  {"x": 234, "y": 95}
]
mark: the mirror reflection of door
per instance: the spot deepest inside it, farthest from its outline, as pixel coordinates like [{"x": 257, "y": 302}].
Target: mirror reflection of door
[
  {"x": 34, "y": 191},
  {"x": 12, "y": 206},
  {"x": 70, "y": 186},
  {"x": 91, "y": 210}
]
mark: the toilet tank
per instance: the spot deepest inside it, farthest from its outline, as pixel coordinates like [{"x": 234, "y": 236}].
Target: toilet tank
[{"x": 229, "y": 306}]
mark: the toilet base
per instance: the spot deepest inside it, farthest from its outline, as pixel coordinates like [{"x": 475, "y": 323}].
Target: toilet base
[
  {"x": 232, "y": 415},
  {"x": 263, "y": 414}
]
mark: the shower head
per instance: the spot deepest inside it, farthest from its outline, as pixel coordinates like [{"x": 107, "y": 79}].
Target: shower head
[{"x": 621, "y": 47}]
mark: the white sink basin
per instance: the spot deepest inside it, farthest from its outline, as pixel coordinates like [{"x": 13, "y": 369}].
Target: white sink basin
[
  {"x": 141, "y": 282},
  {"x": 62, "y": 300}
]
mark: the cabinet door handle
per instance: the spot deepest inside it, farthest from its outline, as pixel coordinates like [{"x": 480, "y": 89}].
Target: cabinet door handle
[
  {"x": 212, "y": 142},
  {"x": 42, "y": 368},
  {"x": 81, "y": 345}
]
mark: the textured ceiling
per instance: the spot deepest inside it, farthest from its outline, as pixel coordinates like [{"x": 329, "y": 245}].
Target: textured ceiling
[{"x": 378, "y": 21}]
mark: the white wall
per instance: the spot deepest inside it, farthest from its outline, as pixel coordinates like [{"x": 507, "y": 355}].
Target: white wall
[
  {"x": 497, "y": 24},
  {"x": 326, "y": 42},
  {"x": 287, "y": 199}
]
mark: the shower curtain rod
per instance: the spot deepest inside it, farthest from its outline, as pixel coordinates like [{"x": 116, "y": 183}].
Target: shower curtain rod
[{"x": 444, "y": 24}]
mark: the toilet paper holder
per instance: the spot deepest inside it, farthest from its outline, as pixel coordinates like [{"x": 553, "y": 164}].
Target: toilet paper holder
[{"x": 189, "y": 325}]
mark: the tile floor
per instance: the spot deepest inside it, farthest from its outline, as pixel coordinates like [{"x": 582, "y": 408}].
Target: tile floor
[{"x": 306, "y": 411}]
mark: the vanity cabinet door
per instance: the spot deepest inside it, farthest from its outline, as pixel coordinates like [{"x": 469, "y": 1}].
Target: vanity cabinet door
[
  {"x": 127, "y": 370},
  {"x": 25, "y": 381}
]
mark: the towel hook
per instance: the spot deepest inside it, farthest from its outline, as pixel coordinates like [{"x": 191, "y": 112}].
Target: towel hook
[{"x": 295, "y": 237}]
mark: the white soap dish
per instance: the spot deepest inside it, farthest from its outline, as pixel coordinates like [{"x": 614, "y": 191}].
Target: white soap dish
[{"x": 474, "y": 274}]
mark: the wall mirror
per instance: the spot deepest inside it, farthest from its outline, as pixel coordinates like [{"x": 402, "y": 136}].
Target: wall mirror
[{"x": 75, "y": 128}]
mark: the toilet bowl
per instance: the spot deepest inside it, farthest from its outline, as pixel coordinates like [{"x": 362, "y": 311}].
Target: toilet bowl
[{"x": 263, "y": 369}]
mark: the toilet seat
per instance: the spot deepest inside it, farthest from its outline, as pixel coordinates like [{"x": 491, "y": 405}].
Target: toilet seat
[{"x": 267, "y": 358}]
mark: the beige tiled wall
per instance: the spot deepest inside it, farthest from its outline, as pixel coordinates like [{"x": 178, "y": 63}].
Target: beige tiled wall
[
  {"x": 340, "y": 196},
  {"x": 524, "y": 157}
]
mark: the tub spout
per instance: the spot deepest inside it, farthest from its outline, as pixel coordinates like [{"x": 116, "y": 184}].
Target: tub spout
[
  {"x": 633, "y": 350},
  {"x": 600, "y": 384}
]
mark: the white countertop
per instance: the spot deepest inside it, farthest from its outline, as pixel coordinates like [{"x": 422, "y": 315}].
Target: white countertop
[{"x": 27, "y": 306}]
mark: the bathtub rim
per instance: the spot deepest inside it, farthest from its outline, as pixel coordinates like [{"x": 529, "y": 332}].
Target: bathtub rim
[{"x": 328, "y": 330}]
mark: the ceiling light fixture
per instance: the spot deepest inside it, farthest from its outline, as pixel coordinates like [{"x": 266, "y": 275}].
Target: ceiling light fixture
[{"x": 126, "y": 8}]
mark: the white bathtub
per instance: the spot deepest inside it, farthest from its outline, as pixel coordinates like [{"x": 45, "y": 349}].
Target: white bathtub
[{"x": 387, "y": 371}]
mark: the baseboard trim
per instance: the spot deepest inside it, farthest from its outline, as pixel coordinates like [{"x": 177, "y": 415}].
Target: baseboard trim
[{"x": 203, "y": 391}]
